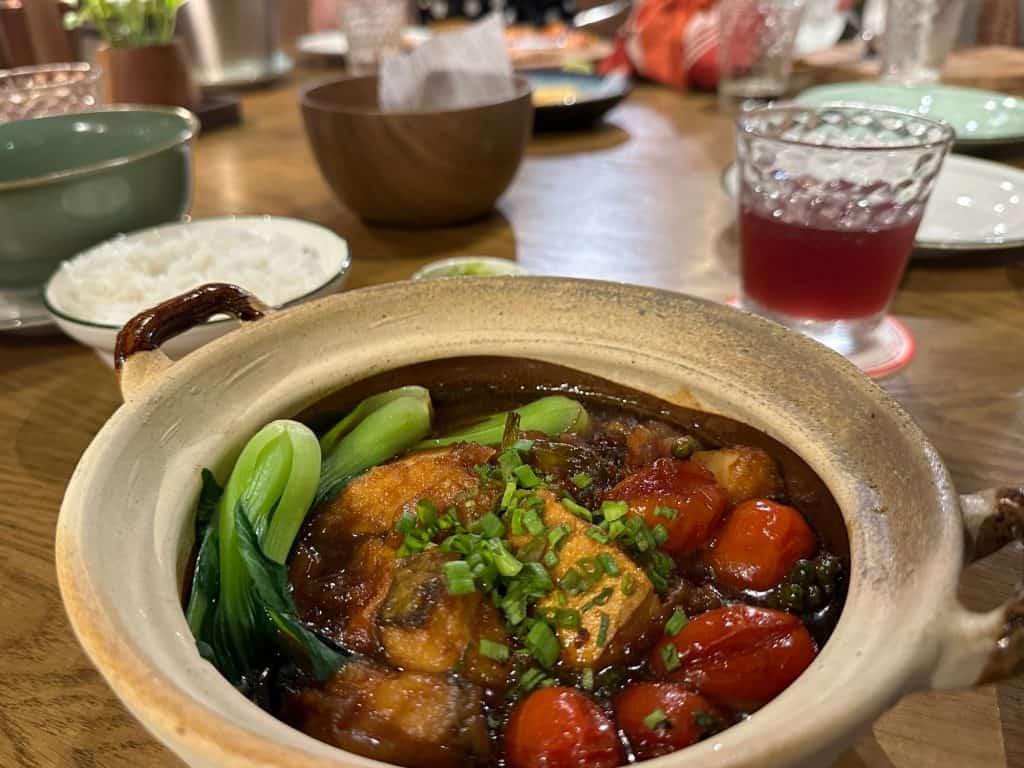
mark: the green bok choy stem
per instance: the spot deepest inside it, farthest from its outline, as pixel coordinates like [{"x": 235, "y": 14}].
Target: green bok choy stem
[
  {"x": 380, "y": 428},
  {"x": 553, "y": 415}
]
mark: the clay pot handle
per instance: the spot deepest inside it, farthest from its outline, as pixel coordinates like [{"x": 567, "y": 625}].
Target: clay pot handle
[
  {"x": 984, "y": 647},
  {"x": 137, "y": 356}
]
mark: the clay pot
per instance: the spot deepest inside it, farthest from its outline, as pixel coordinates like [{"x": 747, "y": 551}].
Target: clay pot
[{"x": 150, "y": 74}]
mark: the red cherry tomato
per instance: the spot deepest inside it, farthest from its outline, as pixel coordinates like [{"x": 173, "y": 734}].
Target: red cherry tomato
[
  {"x": 683, "y": 486},
  {"x": 560, "y": 728},
  {"x": 682, "y": 725},
  {"x": 759, "y": 544},
  {"x": 739, "y": 656}
]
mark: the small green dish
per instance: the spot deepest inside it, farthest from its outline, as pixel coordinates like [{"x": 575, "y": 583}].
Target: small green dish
[
  {"x": 979, "y": 118},
  {"x": 68, "y": 182}
]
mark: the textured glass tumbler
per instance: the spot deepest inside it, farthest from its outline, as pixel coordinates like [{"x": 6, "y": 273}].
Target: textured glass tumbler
[
  {"x": 755, "y": 50},
  {"x": 50, "y": 89},
  {"x": 919, "y": 34},
  {"x": 830, "y": 200},
  {"x": 373, "y": 29}
]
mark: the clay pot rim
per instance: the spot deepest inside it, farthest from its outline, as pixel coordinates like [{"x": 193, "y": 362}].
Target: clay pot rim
[{"x": 184, "y": 136}]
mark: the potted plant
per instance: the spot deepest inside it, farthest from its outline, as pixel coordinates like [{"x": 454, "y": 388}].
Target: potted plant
[{"x": 142, "y": 61}]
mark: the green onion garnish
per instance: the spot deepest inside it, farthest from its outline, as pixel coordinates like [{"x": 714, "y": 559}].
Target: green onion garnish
[
  {"x": 556, "y": 535},
  {"x": 490, "y": 525},
  {"x": 597, "y": 534},
  {"x": 543, "y": 644},
  {"x": 614, "y": 510},
  {"x": 608, "y": 564},
  {"x": 427, "y": 512},
  {"x": 677, "y": 622},
  {"x": 600, "y": 598},
  {"x": 582, "y": 480},
  {"x": 506, "y": 498},
  {"x": 660, "y": 534},
  {"x": 459, "y": 578},
  {"x": 550, "y": 559},
  {"x": 523, "y": 445},
  {"x": 526, "y": 477},
  {"x": 494, "y": 650},
  {"x": 567, "y": 618},
  {"x": 670, "y": 657},
  {"x": 576, "y": 509},
  {"x": 507, "y": 564},
  {"x": 573, "y": 583},
  {"x": 533, "y": 523},
  {"x": 627, "y": 585},
  {"x": 590, "y": 568},
  {"x": 655, "y": 720},
  {"x": 602, "y": 630},
  {"x": 667, "y": 512},
  {"x": 587, "y": 679}
]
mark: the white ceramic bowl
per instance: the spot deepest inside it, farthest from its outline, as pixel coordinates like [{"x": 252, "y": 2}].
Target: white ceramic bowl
[
  {"x": 102, "y": 336},
  {"x": 460, "y": 266}
]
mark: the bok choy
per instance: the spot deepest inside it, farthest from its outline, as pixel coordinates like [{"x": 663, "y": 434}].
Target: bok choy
[{"x": 553, "y": 415}]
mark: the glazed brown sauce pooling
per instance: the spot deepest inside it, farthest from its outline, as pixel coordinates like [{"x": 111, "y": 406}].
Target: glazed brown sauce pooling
[{"x": 463, "y": 390}]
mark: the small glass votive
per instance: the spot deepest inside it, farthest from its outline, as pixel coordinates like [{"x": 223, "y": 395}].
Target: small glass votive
[
  {"x": 830, "y": 199},
  {"x": 756, "y": 40},
  {"x": 49, "y": 89},
  {"x": 919, "y": 34},
  {"x": 373, "y": 29}
]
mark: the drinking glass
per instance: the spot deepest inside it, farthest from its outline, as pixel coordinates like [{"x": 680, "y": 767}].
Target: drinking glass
[
  {"x": 755, "y": 49},
  {"x": 830, "y": 200},
  {"x": 49, "y": 89},
  {"x": 373, "y": 29},
  {"x": 919, "y": 34}
]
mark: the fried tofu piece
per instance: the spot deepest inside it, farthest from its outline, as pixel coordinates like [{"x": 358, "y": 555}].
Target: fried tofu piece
[
  {"x": 372, "y": 503},
  {"x": 627, "y": 615},
  {"x": 405, "y": 718},
  {"x": 424, "y": 629},
  {"x": 743, "y": 472}
]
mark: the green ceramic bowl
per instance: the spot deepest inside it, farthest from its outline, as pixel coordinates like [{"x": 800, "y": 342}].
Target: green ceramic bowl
[{"x": 70, "y": 181}]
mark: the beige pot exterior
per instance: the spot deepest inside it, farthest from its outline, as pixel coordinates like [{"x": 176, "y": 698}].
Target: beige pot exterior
[{"x": 125, "y": 525}]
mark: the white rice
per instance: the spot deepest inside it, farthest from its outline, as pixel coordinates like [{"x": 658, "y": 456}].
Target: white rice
[{"x": 112, "y": 282}]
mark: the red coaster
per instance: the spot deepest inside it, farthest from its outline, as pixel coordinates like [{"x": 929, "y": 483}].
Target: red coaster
[{"x": 893, "y": 346}]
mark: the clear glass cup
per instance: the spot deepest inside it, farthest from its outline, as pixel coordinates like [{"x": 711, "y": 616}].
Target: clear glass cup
[
  {"x": 49, "y": 89},
  {"x": 830, "y": 199},
  {"x": 755, "y": 50},
  {"x": 919, "y": 34},
  {"x": 373, "y": 29}
]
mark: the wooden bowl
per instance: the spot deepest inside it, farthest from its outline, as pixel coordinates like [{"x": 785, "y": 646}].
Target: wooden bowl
[{"x": 416, "y": 169}]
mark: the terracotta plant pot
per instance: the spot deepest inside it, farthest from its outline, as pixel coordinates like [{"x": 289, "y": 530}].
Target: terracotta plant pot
[{"x": 151, "y": 74}]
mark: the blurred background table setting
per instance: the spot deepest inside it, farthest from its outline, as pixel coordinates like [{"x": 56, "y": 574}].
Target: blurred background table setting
[{"x": 852, "y": 170}]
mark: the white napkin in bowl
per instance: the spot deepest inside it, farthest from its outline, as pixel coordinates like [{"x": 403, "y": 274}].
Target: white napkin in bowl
[{"x": 410, "y": 82}]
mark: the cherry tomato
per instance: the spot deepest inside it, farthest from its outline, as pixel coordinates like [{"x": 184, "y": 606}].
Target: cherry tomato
[
  {"x": 684, "y": 487},
  {"x": 739, "y": 656},
  {"x": 683, "y": 724},
  {"x": 759, "y": 544},
  {"x": 560, "y": 728}
]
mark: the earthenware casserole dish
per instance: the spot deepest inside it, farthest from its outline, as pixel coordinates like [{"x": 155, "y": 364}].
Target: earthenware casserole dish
[{"x": 125, "y": 528}]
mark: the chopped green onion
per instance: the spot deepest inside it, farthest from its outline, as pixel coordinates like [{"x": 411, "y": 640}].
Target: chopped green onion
[
  {"x": 600, "y": 598},
  {"x": 426, "y": 512},
  {"x": 598, "y": 534},
  {"x": 655, "y": 720},
  {"x": 490, "y": 525},
  {"x": 510, "y": 490},
  {"x": 587, "y": 679},
  {"x": 507, "y": 564},
  {"x": 582, "y": 480},
  {"x": 526, "y": 477},
  {"x": 608, "y": 564},
  {"x": 614, "y": 510},
  {"x": 567, "y": 618},
  {"x": 483, "y": 471},
  {"x": 590, "y": 568},
  {"x": 550, "y": 559},
  {"x": 670, "y": 657},
  {"x": 533, "y": 551},
  {"x": 556, "y": 535},
  {"x": 602, "y": 630},
  {"x": 562, "y": 601},
  {"x": 533, "y": 522},
  {"x": 627, "y": 585},
  {"x": 459, "y": 578},
  {"x": 667, "y": 512},
  {"x": 573, "y": 583},
  {"x": 531, "y": 679},
  {"x": 494, "y": 650},
  {"x": 660, "y": 534},
  {"x": 576, "y": 509},
  {"x": 677, "y": 622},
  {"x": 543, "y": 644},
  {"x": 616, "y": 529},
  {"x": 523, "y": 446}
]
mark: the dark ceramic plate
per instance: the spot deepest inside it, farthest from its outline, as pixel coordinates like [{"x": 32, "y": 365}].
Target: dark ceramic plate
[{"x": 584, "y": 98}]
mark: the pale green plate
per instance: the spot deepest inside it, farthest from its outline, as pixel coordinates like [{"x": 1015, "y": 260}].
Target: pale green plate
[{"x": 978, "y": 117}]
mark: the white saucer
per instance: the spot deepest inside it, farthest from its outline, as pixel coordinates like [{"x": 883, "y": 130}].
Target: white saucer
[{"x": 977, "y": 205}]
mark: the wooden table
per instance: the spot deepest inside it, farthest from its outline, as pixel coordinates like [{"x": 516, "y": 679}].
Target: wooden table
[{"x": 638, "y": 201}]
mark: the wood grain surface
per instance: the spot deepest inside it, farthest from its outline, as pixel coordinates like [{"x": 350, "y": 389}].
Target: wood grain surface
[{"x": 638, "y": 201}]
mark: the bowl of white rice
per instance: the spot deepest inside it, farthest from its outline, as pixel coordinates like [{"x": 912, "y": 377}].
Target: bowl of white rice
[{"x": 280, "y": 260}]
